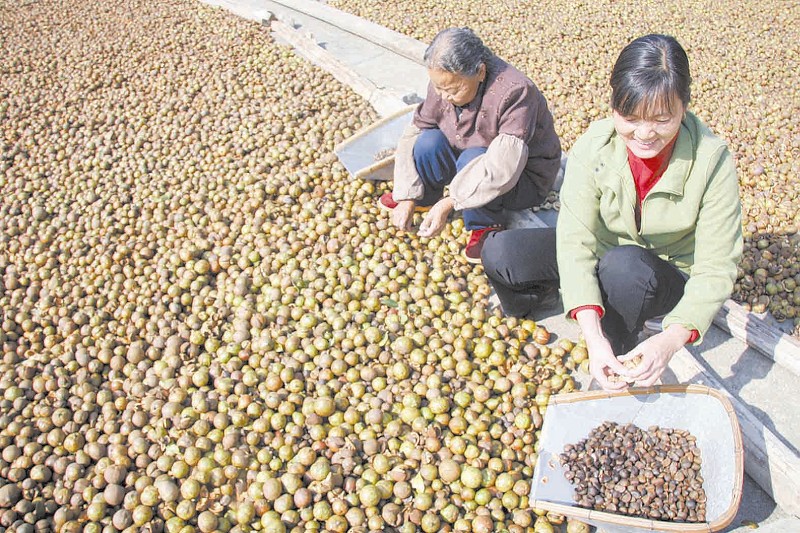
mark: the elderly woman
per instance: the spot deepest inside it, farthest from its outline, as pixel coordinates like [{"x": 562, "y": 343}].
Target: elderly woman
[
  {"x": 484, "y": 132},
  {"x": 650, "y": 222}
]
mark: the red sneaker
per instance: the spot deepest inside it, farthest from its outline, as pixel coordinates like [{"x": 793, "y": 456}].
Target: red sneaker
[
  {"x": 472, "y": 252},
  {"x": 387, "y": 203}
]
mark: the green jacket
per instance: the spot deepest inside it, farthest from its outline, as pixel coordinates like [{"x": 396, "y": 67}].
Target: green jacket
[{"x": 691, "y": 218}]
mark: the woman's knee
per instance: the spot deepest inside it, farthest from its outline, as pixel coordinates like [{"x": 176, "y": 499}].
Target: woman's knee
[
  {"x": 494, "y": 256},
  {"x": 626, "y": 274},
  {"x": 430, "y": 143},
  {"x": 623, "y": 259},
  {"x": 468, "y": 155},
  {"x": 520, "y": 258}
]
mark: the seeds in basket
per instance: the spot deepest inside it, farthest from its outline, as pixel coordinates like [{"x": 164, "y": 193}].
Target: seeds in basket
[
  {"x": 653, "y": 473},
  {"x": 383, "y": 154}
]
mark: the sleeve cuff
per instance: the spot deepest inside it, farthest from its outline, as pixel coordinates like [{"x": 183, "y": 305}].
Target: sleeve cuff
[
  {"x": 597, "y": 308},
  {"x": 693, "y": 336}
]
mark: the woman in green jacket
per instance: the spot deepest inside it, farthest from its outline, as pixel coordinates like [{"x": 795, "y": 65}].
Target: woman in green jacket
[{"x": 650, "y": 223}]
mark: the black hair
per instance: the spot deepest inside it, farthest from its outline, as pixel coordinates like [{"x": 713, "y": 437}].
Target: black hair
[
  {"x": 458, "y": 51},
  {"x": 648, "y": 74}
]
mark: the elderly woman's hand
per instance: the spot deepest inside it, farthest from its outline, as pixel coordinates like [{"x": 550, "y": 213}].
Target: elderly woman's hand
[
  {"x": 402, "y": 214},
  {"x": 436, "y": 218}
]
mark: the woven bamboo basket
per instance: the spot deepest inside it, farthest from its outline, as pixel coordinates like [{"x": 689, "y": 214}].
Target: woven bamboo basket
[
  {"x": 703, "y": 411},
  {"x": 359, "y": 153}
]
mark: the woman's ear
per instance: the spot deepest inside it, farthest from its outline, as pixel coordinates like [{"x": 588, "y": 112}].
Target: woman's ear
[{"x": 482, "y": 72}]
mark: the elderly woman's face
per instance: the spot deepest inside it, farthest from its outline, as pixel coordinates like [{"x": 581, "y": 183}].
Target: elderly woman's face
[
  {"x": 647, "y": 132},
  {"x": 454, "y": 88}
]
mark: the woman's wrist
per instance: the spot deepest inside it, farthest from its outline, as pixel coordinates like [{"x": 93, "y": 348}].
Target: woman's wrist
[
  {"x": 679, "y": 335},
  {"x": 589, "y": 321},
  {"x": 446, "y": 203}
]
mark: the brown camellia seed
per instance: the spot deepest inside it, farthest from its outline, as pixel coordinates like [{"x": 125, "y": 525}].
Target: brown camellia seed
[
  {"x": 113, "y": 494},
  {"x": 630, "y": 364}
]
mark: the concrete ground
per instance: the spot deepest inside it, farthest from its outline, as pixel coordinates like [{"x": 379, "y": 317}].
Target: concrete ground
[{"x": 766, "y": 389}]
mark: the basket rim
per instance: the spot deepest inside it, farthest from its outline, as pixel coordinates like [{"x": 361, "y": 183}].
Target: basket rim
[{"x": 375, "y": 125}]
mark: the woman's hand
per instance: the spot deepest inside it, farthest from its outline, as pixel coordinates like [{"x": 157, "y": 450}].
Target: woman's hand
[
  {"x": 603, "y": 364},
  {"x": 656, "y": 353},
  {"x": 403, "y": 214},
  {"x": 436, "y": 218},
  {"x": 602, "y": 361}
]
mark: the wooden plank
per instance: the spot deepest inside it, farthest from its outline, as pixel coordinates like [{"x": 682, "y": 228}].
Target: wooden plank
[
  {"x": 525, "y": 218},
  {"x": 398, "y": 43},
  {"x": 384, "y": 102},
  {"x": 773, "y": 465},
  {"x": 756, "y": 332}
]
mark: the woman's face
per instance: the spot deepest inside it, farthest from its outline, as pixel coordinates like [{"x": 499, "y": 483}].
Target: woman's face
[
  {"x": 647, "y": 133},
  {"x": 454, "y": 88}
]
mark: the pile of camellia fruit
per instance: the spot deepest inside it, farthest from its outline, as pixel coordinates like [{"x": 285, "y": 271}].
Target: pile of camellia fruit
[
  {"x": 207, "y": 326},
  {"x": 744, "y": 89}
]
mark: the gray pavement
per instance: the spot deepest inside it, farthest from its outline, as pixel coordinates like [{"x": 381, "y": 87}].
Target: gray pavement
[{"x": 767, "y": 390}]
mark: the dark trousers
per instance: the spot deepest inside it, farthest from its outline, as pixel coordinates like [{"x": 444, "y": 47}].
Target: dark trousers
[
  {"x": 520, "y": 265},
  {"x": 437, "y": 163},
  {"x": 635, "y": 284}
]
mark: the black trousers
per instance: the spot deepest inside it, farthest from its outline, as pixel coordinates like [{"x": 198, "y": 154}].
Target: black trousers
[
  {"x": 521, "y": 265},
  {"x": 635, "y": 284}
]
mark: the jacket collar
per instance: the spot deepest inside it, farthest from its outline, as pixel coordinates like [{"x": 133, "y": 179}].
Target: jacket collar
[{"x": 615, "y": 155}]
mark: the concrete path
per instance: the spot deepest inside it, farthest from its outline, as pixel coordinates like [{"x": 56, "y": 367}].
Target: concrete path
[
  {"x": 394, "y": 64},
  {"x": 391, "y": 62}
]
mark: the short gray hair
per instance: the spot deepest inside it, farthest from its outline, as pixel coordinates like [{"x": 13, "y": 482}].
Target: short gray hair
[{"x": 457, "y": 50}]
